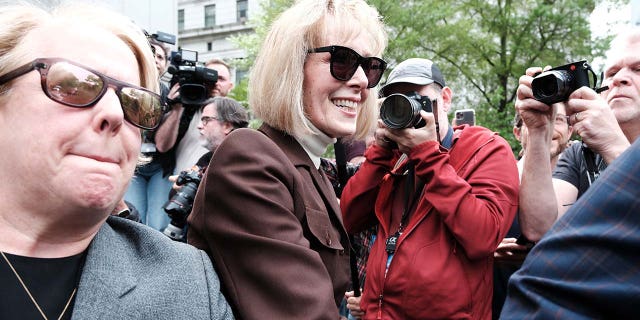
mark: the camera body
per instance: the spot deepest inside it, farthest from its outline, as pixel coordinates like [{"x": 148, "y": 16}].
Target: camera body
[
  {"x": 399, "y": 111},
  {"x": 164, "y": 37},
  {"x": 179, "y": 206},
  {"x": 194, "y": 80},
  {"x": 555, "y": 85}
]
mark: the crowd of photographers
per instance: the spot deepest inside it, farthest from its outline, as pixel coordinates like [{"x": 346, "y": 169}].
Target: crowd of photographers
[{"x": 447, "y": 223}]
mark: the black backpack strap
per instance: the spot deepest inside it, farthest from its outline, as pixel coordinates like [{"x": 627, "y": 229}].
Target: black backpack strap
[{"x": 590, "y": 162}]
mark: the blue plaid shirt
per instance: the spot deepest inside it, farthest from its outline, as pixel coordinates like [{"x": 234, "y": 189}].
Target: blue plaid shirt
[{"x": 588, "y": 265}]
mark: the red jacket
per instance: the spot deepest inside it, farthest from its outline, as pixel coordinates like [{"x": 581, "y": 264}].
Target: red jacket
[{"x": 443, "y": 264}]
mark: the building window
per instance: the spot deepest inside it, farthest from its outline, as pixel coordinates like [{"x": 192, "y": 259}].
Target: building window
[
  {"x": 180, "y": 19},
  {"x": 242, "y": 10},
  {"x": 210, "y": 16},
  {"x": 209, "y": 46},
  {"x": 240, "y": 74}
]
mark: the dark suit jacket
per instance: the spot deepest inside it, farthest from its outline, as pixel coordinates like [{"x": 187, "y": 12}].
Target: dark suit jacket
[
  {"x": 272, "y": 225},
  {"x": 587, "y": 265},
  {"x": 135, "y": 272}
]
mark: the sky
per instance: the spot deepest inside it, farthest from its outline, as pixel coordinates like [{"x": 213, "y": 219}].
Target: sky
[{"x": 605, "y": 18}]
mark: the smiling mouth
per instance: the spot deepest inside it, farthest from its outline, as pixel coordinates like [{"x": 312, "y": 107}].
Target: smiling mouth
[{"x": 346, "y": 105}]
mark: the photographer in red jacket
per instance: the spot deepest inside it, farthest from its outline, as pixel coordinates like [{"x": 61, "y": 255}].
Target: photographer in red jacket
[{"x": 443, "y": 197}]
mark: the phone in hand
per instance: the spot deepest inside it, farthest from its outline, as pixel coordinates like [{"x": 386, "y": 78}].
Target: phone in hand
[{"x": 467, "y": 116}]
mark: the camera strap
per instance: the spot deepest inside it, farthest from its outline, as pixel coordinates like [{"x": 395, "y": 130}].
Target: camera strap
[
  {"x": 341, "y": 163},
  {"x": 434, "y": 105},
  {"x": 409, "y": 201},
  {"x": 341, "y": 167},
  {"x": 590, "y": 163}
]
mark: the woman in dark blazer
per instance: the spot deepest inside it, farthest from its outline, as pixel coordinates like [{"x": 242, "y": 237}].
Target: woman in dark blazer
[{"x": 264, "y": 212}]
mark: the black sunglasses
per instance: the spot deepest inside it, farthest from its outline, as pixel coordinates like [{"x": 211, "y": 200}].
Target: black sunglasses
[
  {"x": 77, "y": 86},
  {"x": 345, "y": 61}
]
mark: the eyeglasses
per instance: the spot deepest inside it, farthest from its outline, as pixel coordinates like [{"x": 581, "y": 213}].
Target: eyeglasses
[
  {"x": 206, "y": 119},
  {"x": 77, "y": 86},
  {"x": 562, "y": 119},
  {"x": 345, "y": 61}
]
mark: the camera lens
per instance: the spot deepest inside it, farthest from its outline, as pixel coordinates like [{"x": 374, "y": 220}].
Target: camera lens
[
  {"x": 193, "y": 93},
  {"x": 399, "y": 111},
  {"x": 552, "y": 86}
]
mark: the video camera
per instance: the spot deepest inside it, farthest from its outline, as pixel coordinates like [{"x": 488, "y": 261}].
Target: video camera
[
  {"x": 194, "y": 80},
  {"x": 164, "y": 37},
  {"x": 179, "y": 206},
  {"x": 555, "y": 85},
  {"x": 399, "y": 111}
]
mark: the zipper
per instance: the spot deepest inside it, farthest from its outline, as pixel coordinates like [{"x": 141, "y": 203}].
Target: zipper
[
  {"x": 379, "y": 317},
  {"x": 384, "y": 285}
]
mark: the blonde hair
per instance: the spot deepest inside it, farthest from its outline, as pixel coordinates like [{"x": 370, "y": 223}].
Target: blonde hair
[
  {"x": 17, "y": 20},
  {"x": 276, "y": 80}
]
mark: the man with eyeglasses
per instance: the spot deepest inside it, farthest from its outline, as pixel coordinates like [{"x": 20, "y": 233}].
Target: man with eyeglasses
[
  {"x": 585, "y": 265},
  {"x": 178, "y": 134},
  {"x": 220, "y": 116},
  {"x": 511, "y": 253},
  {"x": 77, "y": 84},
  {"x": 607, "y": 124},
  {"x": 443, "y": 198}
]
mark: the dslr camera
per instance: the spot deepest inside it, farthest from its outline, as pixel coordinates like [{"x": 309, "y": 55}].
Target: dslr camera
[
  {"x": 399, "y": 111},
  {"x": 555, "y": 85},
  {"x": 194, "y": 80},
  {"x": 180, "y": 204}
]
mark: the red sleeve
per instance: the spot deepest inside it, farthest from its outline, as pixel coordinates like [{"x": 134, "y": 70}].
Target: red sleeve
[
  {"x": 479, "y": 202},
  {"x": 359, "y": 195}
]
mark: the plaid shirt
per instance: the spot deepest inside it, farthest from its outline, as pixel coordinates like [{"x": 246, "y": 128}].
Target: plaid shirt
[{"x": 588, "y": 264}]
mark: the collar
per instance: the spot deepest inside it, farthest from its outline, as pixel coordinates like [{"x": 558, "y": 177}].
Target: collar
[
  {"x": 447, "y": 142},
  {"x": 315, "y": 144}
]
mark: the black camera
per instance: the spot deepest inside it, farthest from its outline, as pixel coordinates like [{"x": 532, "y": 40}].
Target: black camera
[
  {"x": 555, "y": 85},
  {"x": 194, "y": 80},
  {"x": 399, "y": 111},
  {"x": 180, "y": 204},
  {"x": 164, "y": 37}
]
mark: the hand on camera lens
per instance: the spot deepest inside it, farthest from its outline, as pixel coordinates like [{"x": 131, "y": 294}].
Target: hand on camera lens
[
  {"x": 381, "y": 138},
  {"x": 409, "y": 138},
  {"x": 535, "y": 114}
]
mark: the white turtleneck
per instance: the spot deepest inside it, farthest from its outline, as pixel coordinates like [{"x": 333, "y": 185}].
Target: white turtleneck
[{"x": 315, "y": 144}]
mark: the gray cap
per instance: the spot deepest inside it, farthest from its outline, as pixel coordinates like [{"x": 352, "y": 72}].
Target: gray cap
[{"x": 416, "y": 71}]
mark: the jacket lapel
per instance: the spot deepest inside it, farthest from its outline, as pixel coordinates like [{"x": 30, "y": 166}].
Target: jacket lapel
[
  {"x": 300, "y": 158},
  {"x": 107, "y": 276}
]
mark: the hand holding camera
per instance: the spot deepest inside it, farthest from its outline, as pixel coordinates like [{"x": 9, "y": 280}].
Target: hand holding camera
[
  {"x": 179, "y": 206},
  {"x": 408, "y": 120},
  {"x": 193, "y": 80},
  {"x": 555, "y": 85},
  {"x": 539, "y": 89}
]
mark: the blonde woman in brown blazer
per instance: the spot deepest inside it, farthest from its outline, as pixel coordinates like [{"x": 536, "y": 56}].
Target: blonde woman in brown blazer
[{"x": 264, "y": 213}]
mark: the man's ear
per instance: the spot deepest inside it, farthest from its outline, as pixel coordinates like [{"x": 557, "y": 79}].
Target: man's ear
[
  {"x": 447, "y": 95},
  {"x": 516, "y": 133},
  {"x": 227, "y": 128}
]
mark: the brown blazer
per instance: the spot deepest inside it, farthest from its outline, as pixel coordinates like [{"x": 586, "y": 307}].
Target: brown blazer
[{"x": 271, "y": 223}]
